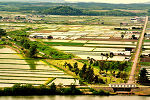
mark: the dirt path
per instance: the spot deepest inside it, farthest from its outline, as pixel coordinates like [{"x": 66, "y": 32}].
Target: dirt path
[{"x": 135, "y": 60}]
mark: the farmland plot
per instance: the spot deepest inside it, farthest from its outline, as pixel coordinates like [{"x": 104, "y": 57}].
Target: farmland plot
[
  {"x": 14, "y": 69},
  {"x": 115, "y": 46}
]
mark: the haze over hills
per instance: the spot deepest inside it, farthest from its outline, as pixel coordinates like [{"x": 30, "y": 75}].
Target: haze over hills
[
  {"x": 82, "y": 1},
  {"x": 53, "y": 1}
]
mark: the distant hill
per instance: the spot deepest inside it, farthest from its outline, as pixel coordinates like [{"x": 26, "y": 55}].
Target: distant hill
[
  {"x": 67, "y": 10},
  {"x": 53, "y": 1},
  {"x": 63, "y": 10}
]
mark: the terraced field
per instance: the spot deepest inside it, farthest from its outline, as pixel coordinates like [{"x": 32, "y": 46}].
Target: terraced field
[
  {"x": 93, "y": 49},
  {"x": 15, "y": 69}
]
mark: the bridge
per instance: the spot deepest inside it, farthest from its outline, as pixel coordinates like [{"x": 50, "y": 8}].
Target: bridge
[{"x": 123, "y": 88}]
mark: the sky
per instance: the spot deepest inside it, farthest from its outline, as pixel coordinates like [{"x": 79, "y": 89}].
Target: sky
[{"x": 112, "y": 1}]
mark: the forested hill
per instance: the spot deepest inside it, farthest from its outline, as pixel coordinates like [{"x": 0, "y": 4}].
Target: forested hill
[
  {"x": 67, "y": 10},
  {"x": 62, "y": 10}
]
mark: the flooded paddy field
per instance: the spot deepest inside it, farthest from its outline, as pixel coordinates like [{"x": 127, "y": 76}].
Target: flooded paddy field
[{"x": 15, "y": 69}]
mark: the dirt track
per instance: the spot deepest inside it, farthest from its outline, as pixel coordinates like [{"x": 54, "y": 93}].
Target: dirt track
[{"x": 136, "y": 57}]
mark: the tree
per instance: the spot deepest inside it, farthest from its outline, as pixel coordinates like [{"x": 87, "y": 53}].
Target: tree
[
  {"x": 107, "y": 66},
  {"x": 101, "y": 65},
  {"x": 70, "y": 66},
  {"x": 107, "y": 56},
  {"x": 53, "y": 88},
  {"x": 92, "y": 61},
  {"x": 65, "y": 64},
  {"x": 75, "y": 65},
  {"x": 1, "y": 17},
  {"x": 33, "y": 50},
  {"x": 121, "y": 24},
  {"x": 2, "y": 32},
  {"x": 90, "y": 74},
  {"x": 26, "y": 44},
  {"x": 111, "y": 54},
  {"x": 133, "y": 36},
  {"x": 122, "y": 36},
  {"x": 143, "y": 76},
  {"x": 145, "y": 34},
  {"x": 84, "y": 68}
]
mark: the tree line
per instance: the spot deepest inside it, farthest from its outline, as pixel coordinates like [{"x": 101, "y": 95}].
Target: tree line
[
  {"x": 32, "y": 48},
  {"x": 28, "y": 89}
]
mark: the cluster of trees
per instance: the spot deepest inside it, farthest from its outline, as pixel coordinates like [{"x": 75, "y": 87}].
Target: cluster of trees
[
  {"x": 108, "y": 55},
  {"x": 29, "y": 48},
  {"x": 143, "y": 78},
  {"x": 21, "y": 38},
  {"x": 62, "y": 10},
  {"x": 66, "y": 10},
  {"x": 52, "y": 52},
  {"x": 28, "y": 89},
  {"x": 117, "y": 69},
  {"x": 86, "y": 73},
  {"x": 3, "y": 42},
  {"x": 2, "y": 32}
]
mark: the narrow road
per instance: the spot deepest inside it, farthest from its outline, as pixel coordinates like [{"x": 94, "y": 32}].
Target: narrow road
[{"x": 137, "y": 54}]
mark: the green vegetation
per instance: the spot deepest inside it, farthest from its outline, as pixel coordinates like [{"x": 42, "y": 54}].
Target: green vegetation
[
  {"x": 86, "y": 73},
  {"x": 28, "y": 89},
  {"x": 28, "y": 7},
  {"x": 2, "y": 41},
  {"x": 143, "y": 78},
  {"x": 145, "y": 63},
  {"x": 66, "y": 10},
  {"x": 114, "y": 69},
  {"x": 146, "y": 40},
  {"x": 2, "y": 32},
  {"x": 64, "y": 44},
  {"x": 99, "y": 92},
  {"x": 31, "y": 48}
]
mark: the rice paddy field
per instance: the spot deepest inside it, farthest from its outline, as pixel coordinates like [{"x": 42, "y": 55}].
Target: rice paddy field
[
  {"x": 15, "y": 69},
  {"x": 93, "y": 49},
  {"x": 84, "y": 36},
  {"x": 145, "y": 59}
]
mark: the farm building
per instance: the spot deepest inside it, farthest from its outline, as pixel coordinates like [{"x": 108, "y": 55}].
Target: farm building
[
  {"x": 134, "y": 20},
  {"x": 127, "y": 53},
  {"x": 122, "y": 28},
  {"x": 41, "y": 36},
  {"x": 147, "y": 36}
]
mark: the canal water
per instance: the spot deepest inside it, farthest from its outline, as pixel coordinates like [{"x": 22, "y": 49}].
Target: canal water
[{"x": 88, "y": 97}]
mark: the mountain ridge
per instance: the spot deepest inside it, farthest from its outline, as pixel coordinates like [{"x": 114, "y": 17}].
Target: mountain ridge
[{"x": 52, "y": 1}]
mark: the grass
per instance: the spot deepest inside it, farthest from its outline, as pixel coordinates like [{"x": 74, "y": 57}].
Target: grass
[
  {"x": 49, "y": 80},
  {"x": 62, "y": 62},
  {"x": 64, "y": 44},
  {"x": 146, "y": 40},
  {"x": 145, "y": 63}
]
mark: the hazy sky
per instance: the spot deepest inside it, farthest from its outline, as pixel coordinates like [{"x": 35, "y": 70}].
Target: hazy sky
[{"x": 113, "y": 1}]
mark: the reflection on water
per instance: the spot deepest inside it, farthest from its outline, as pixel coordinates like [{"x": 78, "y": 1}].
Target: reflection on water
[{"x": 74, "y": 97}]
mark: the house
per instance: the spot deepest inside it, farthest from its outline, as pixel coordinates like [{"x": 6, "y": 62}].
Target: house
[
  {"x": 134, "y": 20},
  {"x": 41, "y": 36},
  {"x": 147, "y": 36}
]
